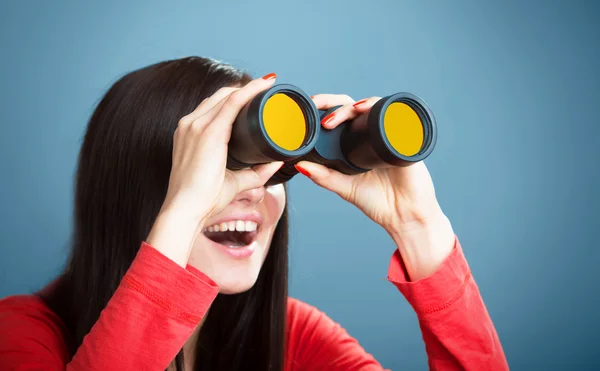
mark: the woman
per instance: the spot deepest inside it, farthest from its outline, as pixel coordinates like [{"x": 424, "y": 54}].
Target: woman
[{"x": 179, "y": 263}]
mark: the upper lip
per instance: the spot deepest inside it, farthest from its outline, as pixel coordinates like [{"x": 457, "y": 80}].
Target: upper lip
[{"x": 252, "y": 216}]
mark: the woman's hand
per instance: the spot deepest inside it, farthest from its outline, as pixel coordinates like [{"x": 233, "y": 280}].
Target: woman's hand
[
  {"x": 401, "y": 199},
  {"x": 199, "y": 184}
]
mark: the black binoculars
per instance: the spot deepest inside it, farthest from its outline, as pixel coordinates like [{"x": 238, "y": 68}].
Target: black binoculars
[{"x": 283, "y": 124}]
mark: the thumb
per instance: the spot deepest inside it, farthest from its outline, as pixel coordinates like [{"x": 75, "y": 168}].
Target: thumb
[
  {"x": 327, "y": 178},
  {"x": 256, "y": 176}
]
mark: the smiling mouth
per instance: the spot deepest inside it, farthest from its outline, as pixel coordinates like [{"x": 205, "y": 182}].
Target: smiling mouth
[
  {"x": 233, "y": 234},
  {"x": 231, "y": 239}
]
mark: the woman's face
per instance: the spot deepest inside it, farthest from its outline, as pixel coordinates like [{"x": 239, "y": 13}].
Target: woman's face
[{"x": 235, "y": 242}]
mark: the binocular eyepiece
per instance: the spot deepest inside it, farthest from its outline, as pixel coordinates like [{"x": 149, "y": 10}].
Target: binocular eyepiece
[{"x": 283, "y": 124}]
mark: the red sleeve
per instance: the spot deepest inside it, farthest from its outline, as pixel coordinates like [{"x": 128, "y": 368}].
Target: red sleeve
[
  {"x": 456, "y": 326},
  {"x": 146, "y": 322},
  {"x": 458, "y": 332}
]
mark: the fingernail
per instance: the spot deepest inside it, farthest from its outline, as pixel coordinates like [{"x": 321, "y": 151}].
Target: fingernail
[
  {"x": 269, "y": 76},
  {"x": 359, "y": 103},
  {"x": 302, "y": 170},
  {"x": 328, "y": 118},
  {"x": 312, "y": 97}
]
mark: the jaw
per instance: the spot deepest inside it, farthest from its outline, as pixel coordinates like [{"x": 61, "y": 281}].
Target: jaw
[{"x": 233, "y": 274}]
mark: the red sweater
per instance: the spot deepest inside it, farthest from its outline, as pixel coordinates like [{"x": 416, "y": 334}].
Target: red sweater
[{"x": 158, "y": 304}]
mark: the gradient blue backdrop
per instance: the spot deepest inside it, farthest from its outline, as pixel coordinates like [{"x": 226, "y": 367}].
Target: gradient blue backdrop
[{"x": 514, "y": 87}]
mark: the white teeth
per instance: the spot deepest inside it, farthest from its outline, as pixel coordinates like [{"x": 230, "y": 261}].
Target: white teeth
[
  {"x": 234, "y": 225},
  {"x": 250, "y": 226}
]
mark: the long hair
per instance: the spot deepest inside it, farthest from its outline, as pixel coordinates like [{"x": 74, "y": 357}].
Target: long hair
[{"x": 121, "y": 181}]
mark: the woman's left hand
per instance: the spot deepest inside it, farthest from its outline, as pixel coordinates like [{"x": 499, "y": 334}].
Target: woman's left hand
[{"x": 401, "y": 199}]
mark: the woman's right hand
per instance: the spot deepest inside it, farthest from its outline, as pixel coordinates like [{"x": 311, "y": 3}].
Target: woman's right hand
[{"x": 200, "y": 185}]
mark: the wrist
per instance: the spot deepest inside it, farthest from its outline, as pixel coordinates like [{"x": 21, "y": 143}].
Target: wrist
[
  {"x": 424, "y": 245},
  {"x": 184, "y": 207},
  {"x": 180, "y": 211},
  {"x": 174, "y": 233}
]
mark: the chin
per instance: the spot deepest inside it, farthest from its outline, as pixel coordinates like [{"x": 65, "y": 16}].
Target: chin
[
  {"x": 236, "y": 278},
  {"x": 232, "y": 287},
  {"x": 233, "y": 274}
]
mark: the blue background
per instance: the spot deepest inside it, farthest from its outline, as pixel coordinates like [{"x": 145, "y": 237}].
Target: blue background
[{"x": 514, "y": 87}]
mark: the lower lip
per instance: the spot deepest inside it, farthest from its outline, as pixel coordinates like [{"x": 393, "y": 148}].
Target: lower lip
[{"x": 241, "y": 252}]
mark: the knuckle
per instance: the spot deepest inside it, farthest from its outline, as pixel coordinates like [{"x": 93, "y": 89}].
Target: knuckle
[
  {"x": 235, "y": 99},
  {"x": 350, "y": 193},
  {"x": 228, "y": 89},
  {"x": 235, "y": 183},
  {"x": 255, "y": 174},
  {"x": 197, "y": 125},
  {"x": 184, "y": 122},
  {"x": 347, "y": 98},
  {"x": 224, "y": 92}
]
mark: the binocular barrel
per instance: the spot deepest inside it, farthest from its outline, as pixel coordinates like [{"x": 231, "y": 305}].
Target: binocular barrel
[
  {"x": 283, "y": 124},
  {"x": 279, "y": 124}
]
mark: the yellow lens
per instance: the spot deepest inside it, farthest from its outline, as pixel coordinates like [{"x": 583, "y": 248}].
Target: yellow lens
[
  {"x": 284, "y": 122},
  {"x": 403, "y": 129}
]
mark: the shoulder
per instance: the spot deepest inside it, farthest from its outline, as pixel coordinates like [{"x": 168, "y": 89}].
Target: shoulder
[
  {"x": 299, "y": 311},
  {"x": 26, "y": 321},
  {"x": 29, "y": 310},
  {"x": 314, "y": 340},
  {"x": 24, "y": 306},
  {"x": 309, "y": 326},
  {"x": 296, "y": 306},
  {"x": 10, "y": 303}
]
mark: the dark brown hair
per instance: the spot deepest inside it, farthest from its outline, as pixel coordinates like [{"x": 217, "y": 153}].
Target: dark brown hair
[{"x": 121, "y": 182}]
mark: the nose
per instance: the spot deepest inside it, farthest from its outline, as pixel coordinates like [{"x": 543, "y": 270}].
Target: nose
[{"x": 251, "y": 196}]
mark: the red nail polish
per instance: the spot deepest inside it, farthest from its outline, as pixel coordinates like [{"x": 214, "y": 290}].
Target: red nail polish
[
  {"x": 302, "y": 170},
  {"x": 359, "y": 103},
  {"x": 327, "y": 118},
  {"x": 269, "y": 76}
]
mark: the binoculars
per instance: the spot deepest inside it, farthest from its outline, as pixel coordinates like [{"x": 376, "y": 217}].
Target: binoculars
[{"x": 283, "y": 124}]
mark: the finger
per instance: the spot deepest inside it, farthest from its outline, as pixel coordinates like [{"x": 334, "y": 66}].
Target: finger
[
  {"x": 364, "y": 105},
  {"x": 211, "y": 109},
  {"x": 327, "y": 178},
  {"x": 210, "y": 102},
  {"x": 326, "y": 101},
  {"x": 256, "y": 176},
  {"x": 191, "y": 132},
  {"x": 348, "y": 112},
  {"x": 201, "y": 122},
  {"x": 187, "y": 121},
  {"x": 236, "y": 101},
  {"x": 340, "y": 115}
]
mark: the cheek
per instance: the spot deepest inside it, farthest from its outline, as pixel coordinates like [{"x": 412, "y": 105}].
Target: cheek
[
  {"x": 275, "y": 198},
  {"x": 273, "y": 205},
  {"x": 271, "y": 210}
]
